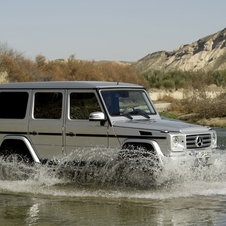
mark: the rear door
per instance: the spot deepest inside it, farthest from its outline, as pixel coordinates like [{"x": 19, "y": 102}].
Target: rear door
[{"x": 46, "y": 122}]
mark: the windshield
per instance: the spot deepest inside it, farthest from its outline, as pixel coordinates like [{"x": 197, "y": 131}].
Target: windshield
[{"x": 127, "y": 102}]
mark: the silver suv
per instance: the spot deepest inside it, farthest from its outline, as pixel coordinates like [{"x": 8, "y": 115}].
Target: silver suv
[{"x": 42, "y": 120}]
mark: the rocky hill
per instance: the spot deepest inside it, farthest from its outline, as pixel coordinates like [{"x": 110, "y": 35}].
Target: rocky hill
[{"x": 205, "y": 54}]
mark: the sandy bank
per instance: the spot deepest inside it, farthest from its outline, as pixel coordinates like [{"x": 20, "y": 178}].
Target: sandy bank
[{"x": 211, "y": 91}]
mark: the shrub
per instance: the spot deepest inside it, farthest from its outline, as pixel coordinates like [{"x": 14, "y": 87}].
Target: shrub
[
  {"x": 19, "y": 69},
  {"x": 202, "y": 106},
  {"x": 184, "y": 79}
]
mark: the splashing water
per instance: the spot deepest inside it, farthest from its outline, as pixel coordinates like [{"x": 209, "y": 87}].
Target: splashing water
[
  {"x": 114, "y": 177},
  {"x": 109, "y": 170}
]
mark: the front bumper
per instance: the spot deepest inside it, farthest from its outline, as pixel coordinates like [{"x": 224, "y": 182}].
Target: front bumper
[
  {"x": 194, "y": 158},
  {"x": 206, "y": 161}
]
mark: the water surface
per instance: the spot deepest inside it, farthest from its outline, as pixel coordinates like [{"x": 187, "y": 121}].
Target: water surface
[{"x": 176, "y": 195}]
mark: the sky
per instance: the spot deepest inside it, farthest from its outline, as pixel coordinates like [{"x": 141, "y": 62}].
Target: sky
[{"x": 120, "y": 30}]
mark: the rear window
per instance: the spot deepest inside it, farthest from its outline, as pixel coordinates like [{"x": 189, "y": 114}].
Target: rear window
[
  {"x": 13, "y": 105},
  {"x": 48, "y": 105}
]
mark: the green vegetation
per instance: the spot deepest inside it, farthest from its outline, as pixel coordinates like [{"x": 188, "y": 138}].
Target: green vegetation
[{"x": 184, "y": 79}]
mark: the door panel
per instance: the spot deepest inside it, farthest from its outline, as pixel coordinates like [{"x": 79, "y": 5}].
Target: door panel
[
  {"x": 84, "y": 133},
  {"x": 46, "y": 123},
  {"x": 79, "y": 131}
]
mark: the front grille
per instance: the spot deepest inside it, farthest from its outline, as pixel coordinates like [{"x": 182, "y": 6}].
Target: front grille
[{"x": 198, "y": 141}]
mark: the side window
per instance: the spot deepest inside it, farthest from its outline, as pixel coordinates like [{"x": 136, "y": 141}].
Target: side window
[
  {"x": 82, "y": 104},
  {"x": 13, "y": 105},
  {"x": 48, "y": 105}
]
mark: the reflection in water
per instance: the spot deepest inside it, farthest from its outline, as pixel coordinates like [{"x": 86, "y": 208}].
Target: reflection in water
[
  {"x": 32, "y": 215},
  {"x": 114, "y": 194},
  {"x": 46, "y": 210}
]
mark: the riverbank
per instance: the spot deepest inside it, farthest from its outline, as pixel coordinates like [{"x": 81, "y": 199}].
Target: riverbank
[
  {"x": 213, "y": 122},
  {"x": 164, "y": 107}
]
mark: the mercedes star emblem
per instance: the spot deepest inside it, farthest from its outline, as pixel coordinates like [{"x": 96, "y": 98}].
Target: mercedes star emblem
[{"x": 199, "y": 141}]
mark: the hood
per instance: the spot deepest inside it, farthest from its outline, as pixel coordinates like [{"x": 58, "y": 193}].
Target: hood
[{"x": 161, "y": 125}]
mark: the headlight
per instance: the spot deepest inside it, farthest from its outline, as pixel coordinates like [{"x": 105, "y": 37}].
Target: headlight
[
  {"x": 176, "y": 142},
  {"x": 214, "y": 139}
]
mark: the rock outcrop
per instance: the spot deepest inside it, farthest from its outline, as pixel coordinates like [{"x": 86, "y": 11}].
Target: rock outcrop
[{"x": 205, "y": 54}]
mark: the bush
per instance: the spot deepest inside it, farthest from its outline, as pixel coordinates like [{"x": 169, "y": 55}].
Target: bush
[
  {"x": 19, "y": 69},
  {"x": 184, "y": 79},
  {"x": 199, "y": 106}
]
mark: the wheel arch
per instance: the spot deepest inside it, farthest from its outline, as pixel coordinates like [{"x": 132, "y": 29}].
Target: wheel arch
[
  {"x": 22, "y": 141},
  {"x": 141, "y": 142}
]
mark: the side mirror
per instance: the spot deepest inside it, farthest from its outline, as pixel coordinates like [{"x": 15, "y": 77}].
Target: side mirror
[{"x": 97, "y": 116}]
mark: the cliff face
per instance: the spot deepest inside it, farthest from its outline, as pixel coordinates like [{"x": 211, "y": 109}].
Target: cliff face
[{"x": 206, "y": 53}]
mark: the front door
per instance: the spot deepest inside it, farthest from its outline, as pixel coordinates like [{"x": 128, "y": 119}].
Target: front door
[{"x": 80, "y": 133}]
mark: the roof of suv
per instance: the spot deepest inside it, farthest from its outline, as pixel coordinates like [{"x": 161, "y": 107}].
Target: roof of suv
[{"x": 67, "y": 85}]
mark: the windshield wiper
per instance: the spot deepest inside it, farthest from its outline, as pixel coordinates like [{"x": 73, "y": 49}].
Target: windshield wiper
[
  {"x": 127, "y": 115},
  {"x": 140, "y": 112},
  {"x": 135, "y": 112}
]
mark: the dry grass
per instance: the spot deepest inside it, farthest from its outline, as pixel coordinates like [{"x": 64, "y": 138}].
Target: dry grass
[
  {"x": 213, "y": 122},
  {"x": 19, "y": 69},
  {"x": 200, "y": 108}
]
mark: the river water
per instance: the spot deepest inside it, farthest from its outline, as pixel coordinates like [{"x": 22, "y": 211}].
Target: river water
[{"x": 175, "y": 195}]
